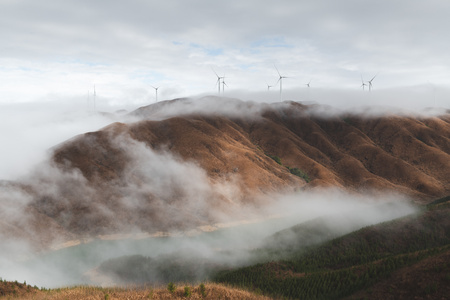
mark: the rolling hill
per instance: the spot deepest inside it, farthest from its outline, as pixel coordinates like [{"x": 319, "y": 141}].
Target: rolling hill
[{"x": 186, "y": 163}]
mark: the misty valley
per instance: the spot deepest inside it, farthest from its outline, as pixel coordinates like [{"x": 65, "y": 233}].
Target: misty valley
[
  {"x": 181, "y": 258},
  {"x": 257, "y": 200},
  {"x": 326, "y": 255}
]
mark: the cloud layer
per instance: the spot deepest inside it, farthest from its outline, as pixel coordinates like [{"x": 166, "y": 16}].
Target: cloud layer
[{"x": 66, "y": 48}]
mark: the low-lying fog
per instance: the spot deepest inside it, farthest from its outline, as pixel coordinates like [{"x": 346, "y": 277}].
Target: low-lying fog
[
  {"x": 230, "y": 244},
  {"x": 27, "y": 131}
]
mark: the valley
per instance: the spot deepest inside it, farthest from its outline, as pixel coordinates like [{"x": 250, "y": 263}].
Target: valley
[{"x": 253, "y": 195}]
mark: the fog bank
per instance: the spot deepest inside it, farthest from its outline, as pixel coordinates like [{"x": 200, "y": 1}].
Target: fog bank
[{"x": 230, "y": 245}]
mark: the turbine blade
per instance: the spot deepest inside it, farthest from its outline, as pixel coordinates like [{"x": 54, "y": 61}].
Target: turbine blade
[
  {"x": 277, "y": 70},
  {"x": 215, "y": 72}
]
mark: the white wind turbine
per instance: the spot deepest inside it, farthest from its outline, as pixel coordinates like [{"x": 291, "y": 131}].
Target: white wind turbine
[
  {"x": 307, "y": 84},
  {"x": 218, "y": 80},
  {"x": 280, "y": 80},
  {"x": 363, "y": 84},
  {"x": 370, "y": 82},
  {"x": 156, "y": 92},
  {"x": 88, "y": 101}
]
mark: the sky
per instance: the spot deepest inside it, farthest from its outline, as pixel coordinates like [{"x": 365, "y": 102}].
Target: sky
[
  {"x": 55, "y": 54},
  {"x": 54, "y": 50}
]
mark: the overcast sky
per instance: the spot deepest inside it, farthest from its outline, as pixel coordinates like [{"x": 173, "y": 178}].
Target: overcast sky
[
  {"x": 51, "y": 49},
  {"x": 53, "y": 53}
]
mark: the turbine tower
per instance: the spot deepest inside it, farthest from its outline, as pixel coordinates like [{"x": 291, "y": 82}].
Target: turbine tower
[
  {"x": 156, "y": 92},
  {"x": 223, "y": 84},
  {"x": 370, "y": 82},
  {"x": 280, "y": 79},
  {"x": 308, "y": 85}
]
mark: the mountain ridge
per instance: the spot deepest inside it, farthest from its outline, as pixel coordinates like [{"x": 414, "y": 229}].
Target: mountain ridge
[{"x": 200, "y": 161}]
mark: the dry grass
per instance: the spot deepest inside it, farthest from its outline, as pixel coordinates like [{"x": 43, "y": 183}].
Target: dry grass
[{"x": 212, "y": 291}]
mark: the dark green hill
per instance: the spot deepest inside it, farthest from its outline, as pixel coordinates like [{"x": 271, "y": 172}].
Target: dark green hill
[
  {"x": 352, "y": 262},
  {"x": 331, "y": 226}
]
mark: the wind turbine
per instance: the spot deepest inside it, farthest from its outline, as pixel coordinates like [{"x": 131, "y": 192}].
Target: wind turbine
[
  {"x": 218, "y": 80},
  {"x": 307, "y": 84},
  {"x": 269, "y": 86},
  {"x": 156, "y": 92},
  {"x": 363, "y": 84},
  {"x": 370, "y": 82},
  {"x": 280, "y": 79}
]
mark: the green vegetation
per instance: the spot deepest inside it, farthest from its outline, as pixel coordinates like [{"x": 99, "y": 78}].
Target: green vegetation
[
  {"x": 347, "y": 264},
  {"x": 187, "y": 292},
  {"x": 171, "y": 287},
  {"x": 202, "y": 290},
  {"x": 299, "y": 173},
  {"x": 439, "y": 201},
  {"x": 174, "y": 267},
  {"x": 275, "y": 158},
  {"x": 293, "y": 171}
]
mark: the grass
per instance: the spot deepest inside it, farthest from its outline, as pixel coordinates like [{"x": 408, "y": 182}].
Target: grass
[{"x": 202, "y": 291}]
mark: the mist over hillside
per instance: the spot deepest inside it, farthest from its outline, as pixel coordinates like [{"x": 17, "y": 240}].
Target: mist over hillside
[
  {"x": 189, "y": 166},
  {"x": 226, "y": 154}
]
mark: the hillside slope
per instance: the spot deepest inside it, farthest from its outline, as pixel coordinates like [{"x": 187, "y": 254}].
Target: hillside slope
[
  {"x": 186, "y": 163},
  {"x": 404, "y": 153}
]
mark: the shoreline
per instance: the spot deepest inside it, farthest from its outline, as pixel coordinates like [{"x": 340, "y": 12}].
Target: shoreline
[{"x": 159, "y": 234}]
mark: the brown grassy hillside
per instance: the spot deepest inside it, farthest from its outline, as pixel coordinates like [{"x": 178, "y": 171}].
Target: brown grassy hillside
[
  {"x": 11, "y": 290},
  {"x": 411, "y": 155},
  {"x": 178, "y": 167}
]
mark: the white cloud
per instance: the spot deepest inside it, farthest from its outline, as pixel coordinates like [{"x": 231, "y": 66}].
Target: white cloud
[
  {"x": 70, "y": 45},
  {"x": 29, "y": 130}
]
